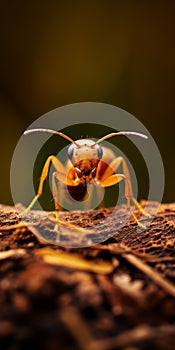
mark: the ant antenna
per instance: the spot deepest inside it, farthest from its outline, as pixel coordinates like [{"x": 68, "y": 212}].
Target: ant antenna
[
  {"x": 122, "y": 133},
  {"x": 51, "y": 132}
]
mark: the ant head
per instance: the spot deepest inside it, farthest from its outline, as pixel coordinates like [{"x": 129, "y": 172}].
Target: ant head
[{"x": 84, "y": 149}]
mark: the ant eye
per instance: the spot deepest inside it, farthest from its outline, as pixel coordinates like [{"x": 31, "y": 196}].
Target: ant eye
[
  {"x": 70, "y": 151},
  {"x": 100, "y": 151}
]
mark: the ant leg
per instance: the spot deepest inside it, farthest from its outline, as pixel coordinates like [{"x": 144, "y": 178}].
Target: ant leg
[
  {"x": 113, "y": 180},
  {"x": 55, "y": 176},
  {"x": 61, "y": 170},
  {"x": 108, "y": 179},
  {"x": 55, "y": 197},
  {"x": 128, "y": 188},
  {"x": 129, "y": 191}
]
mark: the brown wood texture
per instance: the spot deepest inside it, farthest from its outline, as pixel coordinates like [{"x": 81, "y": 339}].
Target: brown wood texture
[{"x": 119, "y": 294}]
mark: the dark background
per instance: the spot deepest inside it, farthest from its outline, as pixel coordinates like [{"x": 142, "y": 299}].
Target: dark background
[{"x": 118, "y": 52}]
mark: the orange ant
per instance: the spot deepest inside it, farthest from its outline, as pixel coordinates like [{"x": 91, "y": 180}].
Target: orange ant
[{"x": 90, "y": 163}]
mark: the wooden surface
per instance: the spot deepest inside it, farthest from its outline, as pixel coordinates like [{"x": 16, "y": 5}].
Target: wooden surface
[{"x": 119, "y": 294}]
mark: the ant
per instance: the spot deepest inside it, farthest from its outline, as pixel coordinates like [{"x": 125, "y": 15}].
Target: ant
[{"x": 89, "y": 163}]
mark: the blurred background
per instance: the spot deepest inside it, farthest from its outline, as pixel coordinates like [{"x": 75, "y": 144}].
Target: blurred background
[{"x": 55, "y": 53}]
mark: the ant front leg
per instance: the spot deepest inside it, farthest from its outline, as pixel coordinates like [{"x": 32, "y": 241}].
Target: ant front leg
[
  {"x": 108, "y": 178},
  {"x": 62, "y": 174}
]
